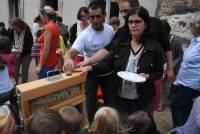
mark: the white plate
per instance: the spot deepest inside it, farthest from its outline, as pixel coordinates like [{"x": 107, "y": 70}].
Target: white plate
[{"x": 129, "y": 76}]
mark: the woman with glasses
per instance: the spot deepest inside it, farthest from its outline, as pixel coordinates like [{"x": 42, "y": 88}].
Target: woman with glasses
[
  {"x": 187, "y": 83},
  {"x": 82, "y": 24},
  {"x": 136, "y": 55}
]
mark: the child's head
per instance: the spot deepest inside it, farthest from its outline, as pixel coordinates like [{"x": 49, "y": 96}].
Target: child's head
[
  {"x": 45, "y": 122},
  {"x": 106, "y": 121},
  {"x": 141, "y": 122},
  {"x": 72, "y": 119},
  {"x": 114, "y": 22},
  {"x": 5, "y": 44}
]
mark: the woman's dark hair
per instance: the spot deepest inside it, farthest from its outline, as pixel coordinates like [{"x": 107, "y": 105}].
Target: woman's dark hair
[
  {"x": 18, "y": 22},
  {"x": 144, "y": 14},
  {"x": 37, "y": 19},
  {"x": 141, "y": 122},
  {"x": 82, "y": 9}
]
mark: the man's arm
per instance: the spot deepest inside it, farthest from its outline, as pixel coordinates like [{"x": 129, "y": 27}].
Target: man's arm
[
  {"x": 169, "y": 58},
  {"x": 99, "y": 55}
]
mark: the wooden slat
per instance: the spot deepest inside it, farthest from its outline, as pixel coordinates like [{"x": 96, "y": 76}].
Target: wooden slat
[{"x": 73, "y": 102}]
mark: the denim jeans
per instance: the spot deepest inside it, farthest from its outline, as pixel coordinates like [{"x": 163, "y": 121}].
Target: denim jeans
[
  {"x": 43, "y": 72},
  {"x": 92, "y": 83},
  {"x": 182, "y": 104}
]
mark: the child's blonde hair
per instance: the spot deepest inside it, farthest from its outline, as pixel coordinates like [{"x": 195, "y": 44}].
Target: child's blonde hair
[{"x": 106, "y": 121}]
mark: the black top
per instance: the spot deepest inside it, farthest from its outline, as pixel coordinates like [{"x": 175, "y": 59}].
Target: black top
[
  {"x": 72, "y": 33},
  {"x": 28, "y": 41}
]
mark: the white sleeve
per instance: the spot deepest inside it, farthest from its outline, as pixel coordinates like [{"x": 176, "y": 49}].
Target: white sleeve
[
  {"x": 79, "y": 43},
  {"x": 36, "y": 27}
]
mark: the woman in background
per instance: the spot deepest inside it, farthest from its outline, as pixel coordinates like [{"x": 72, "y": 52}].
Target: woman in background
[
  {"x": 21, "y": 37},
  {"x": 49, "y": 42},
  {"x": 37, "y": 27},
  {"x": 77, "y": 28}
]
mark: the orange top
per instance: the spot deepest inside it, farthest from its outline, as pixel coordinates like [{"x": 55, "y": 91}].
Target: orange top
[{"x": 52, "y": 59}]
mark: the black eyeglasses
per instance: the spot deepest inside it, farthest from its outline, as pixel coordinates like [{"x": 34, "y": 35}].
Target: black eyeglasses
[
  {"x": 136, "y": 22},
  {"x": 95, "y": 16}
]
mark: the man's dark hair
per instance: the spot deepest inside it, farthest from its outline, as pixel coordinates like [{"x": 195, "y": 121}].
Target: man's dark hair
[
  {"x": 133, "y": 3},
  {"x": 95, "y": 4},
  {"x": 82, "y": 9},
  {"x": 45, "y": 122}
]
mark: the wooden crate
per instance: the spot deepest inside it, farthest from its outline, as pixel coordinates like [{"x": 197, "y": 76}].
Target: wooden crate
[{"x": 42, "y": 94}]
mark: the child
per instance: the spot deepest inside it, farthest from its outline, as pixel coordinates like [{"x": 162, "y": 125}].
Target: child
[
  {"x": 106, "y": 121},
  {"x": 141, "y": 122},
  {"x": 6, "y": 55},
  {"x": 114, "y": 22},
  {"x": 5, "y": 85},
  {"x": 45, "y": 122},
  {"x": 72, "y": 119}
]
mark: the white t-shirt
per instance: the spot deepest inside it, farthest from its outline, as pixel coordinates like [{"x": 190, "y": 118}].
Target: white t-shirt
[{"x": 90, "y": 41}]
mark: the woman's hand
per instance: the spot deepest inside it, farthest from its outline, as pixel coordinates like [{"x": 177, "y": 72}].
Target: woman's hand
[
  {"x": 38, "y": 69},
  {"x": 146, "y": 76}
]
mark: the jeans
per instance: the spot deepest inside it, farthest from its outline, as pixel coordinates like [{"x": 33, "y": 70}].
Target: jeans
[
  {"x": 91, "y": 86},
  {"x": 43, "y": 72},
  {"x": 182, "y": 104}
]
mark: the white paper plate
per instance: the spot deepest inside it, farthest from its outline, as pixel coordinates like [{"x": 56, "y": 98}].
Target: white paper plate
[{"x": 129, "y": 76}]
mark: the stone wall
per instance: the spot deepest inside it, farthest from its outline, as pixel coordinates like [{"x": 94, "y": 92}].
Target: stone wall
[{"x": 178, "y": 13}]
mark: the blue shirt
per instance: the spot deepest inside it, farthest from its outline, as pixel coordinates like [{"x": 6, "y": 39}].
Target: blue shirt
[
  {"x": 5, "y": 83},
  {"x": 189, "y": 72}
]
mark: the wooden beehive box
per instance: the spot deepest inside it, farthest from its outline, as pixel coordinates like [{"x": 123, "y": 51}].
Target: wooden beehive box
[{"x": 42, "y": 94}]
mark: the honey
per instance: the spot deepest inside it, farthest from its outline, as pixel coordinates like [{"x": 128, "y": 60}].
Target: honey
[{"x": 2, "y": 117}]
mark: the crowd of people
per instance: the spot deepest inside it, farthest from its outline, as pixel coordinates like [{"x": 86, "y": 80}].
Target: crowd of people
[{"x": 143, "y": 46}]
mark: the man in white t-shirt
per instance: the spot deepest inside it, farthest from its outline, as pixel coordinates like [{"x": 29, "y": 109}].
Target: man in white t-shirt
[{"x": 92, "y": 39}]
